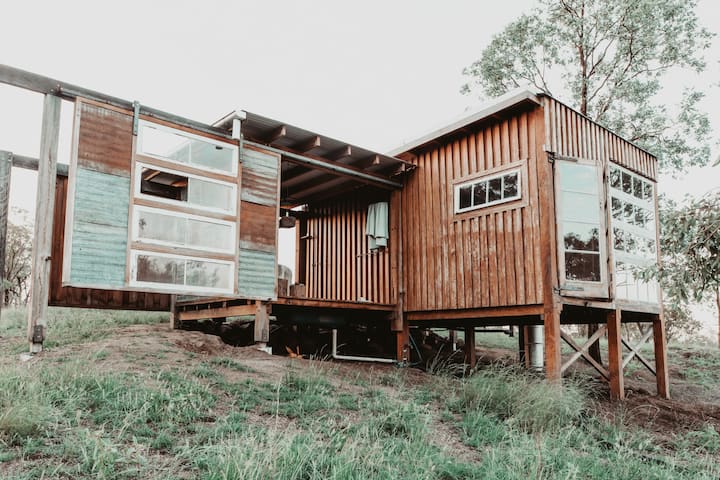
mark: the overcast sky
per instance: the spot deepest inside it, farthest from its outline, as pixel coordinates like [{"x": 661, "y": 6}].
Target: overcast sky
[{"x": 373, "y": 73}]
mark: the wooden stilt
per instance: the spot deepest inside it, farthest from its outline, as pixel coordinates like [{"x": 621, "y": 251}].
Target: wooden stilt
[
  {"x": 452, "y": 337},
  {"x": 615, "y": 360},
  {"x": 470, "y": 352},
  {"x": 594, "y": 349},
  {"x": 40, "y": 276},
  {"x": 175, "y": 321},
  {"x": 553, "y": 359},
  {"x": 5, "y": 169},
  {"x": 661, "y": 370},
  {"x": 523, "y": 346},
  {"x": 262, "y": 323},
  {"x": 403, "y": 343}
]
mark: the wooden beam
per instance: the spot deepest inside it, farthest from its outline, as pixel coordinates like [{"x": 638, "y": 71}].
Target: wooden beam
[
  {"x": 276, "y": 134},
  {"x": 617, "y": 384},
  {"x": 262, "y": 323},
  {"x": 403, "y": 344},
  {"x": 470, "y": 352},
  {"x": 582, "y": 351},
  {"x": 308, "y": 145},
  {"x": 340, "y": 153},
  {"x": 313, "y": 161},
  {"x": 633, "y": 351},
  {"x": 31, "y": 163},
  {"x": 40, "y": 274},
  {"x": 661, "y": 369},
  {"x": 477, "y": 313},
  {"x": 220, "y": 312},
  {"x": 5, "y": 171},
  {"x": 41, "y": 84}
]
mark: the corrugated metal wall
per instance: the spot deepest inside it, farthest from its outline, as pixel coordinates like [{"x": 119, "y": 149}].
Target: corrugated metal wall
[
  {"x": 571, "y": 134},
  {"x": 257, "y": 261},
  {"x": 338, "y": 262},
  {"x": 483, "y": 258}
]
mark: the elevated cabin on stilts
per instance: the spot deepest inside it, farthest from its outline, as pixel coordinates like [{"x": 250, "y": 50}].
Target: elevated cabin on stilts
[{"x": 525, "y": 214}]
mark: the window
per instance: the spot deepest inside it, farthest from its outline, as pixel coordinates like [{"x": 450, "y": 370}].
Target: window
[
  {"x": 579, "y": 222},
  {"x": 488, "y": 191},
  {"x": 185, "y": 148},
  {"x": 174, "y": 187},
  {"x": 184, "y": 212},
  {"x": 181, "y": 272},
  {"x": 633, "y": 233},
  {"x": 161, "y": 227}
]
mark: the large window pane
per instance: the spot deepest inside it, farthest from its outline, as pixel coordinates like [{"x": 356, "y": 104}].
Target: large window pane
[
  {"x": 176, "y": 146},
  {"x": 217, "y": 236},
  {"x": 580, "y": 207},
  {"x": 581, "y": 236},
  {"x": 156, "y": 269},
  {"x": 579, "y": 178},
  {"x": 211, "y": 194},
  {"x": 186, "y": 188},
  {"x": 157, "y": 226},
  {"x": 207, "y": 274},
  {"x": 582, "y": 266},
  {"x": 184, "y": 231}
]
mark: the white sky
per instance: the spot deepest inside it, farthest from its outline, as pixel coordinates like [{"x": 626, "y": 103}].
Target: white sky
[{"x": 373, "y": 73}]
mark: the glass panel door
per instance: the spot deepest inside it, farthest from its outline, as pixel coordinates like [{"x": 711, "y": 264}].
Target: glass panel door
[{"x": 582, "y": 252}]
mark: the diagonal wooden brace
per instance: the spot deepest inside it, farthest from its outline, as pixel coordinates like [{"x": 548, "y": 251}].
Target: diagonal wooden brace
[
  {"x": 635, "y": 354},
  {"x": 583, "y": 352}
]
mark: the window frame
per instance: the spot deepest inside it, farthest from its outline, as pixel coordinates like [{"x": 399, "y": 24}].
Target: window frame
[
  {"x": 134, "y": 282},
  {"x": 139, "y": 165},
  {"x": 141, "y": 138},
  {"x": 173, "y": 213},
  {"x": 487, "y": 178}
]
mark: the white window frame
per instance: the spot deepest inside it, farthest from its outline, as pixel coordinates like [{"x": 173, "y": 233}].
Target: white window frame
[
  {"x": 184, "y": 288},
  {"x": 137, "y": 238},
  {"x": 487, "y": 179},
  {"x": 157, "y": 126},
  {"x": 138, "y": 182},
  {"x": 621, "y": 256},
  {"x": 572, "y": 287}
]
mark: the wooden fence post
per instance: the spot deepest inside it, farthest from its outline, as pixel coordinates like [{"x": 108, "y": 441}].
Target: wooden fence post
[
  {"x": 42, "y": 239},
  {"x": 5, "y": 170}
]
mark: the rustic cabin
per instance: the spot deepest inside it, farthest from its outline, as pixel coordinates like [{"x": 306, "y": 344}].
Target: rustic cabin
[{"x": 524, "y": 214}]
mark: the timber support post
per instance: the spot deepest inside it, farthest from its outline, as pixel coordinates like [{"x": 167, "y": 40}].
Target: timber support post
[
  {"x": 661, "y": 369},
  {"x": 470, "y": 352},
  {"x": 5, "y": 170},
  {"x": 262, "y": 323},
  {"x": 175, "y": 321},
  {"x": 42, "y": 239},
  {"x": 553, "y": 359},
  {"x": 403, "y": 344},
  {"x": 615, "y": 355}
]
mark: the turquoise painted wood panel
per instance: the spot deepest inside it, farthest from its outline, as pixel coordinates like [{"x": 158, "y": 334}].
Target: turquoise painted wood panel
[
  {"x": 256, "y": 275},
  {"x": 260, "y": 177},
  {"x": 100, "y": 229}
]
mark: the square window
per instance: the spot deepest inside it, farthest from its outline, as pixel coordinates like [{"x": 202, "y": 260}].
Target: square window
[
  {"x": 480, "y": 193},
  {"x": 494, "y": 190},
  {"x": 465, "y": 197},
  {"x": 510, "y": 185}
]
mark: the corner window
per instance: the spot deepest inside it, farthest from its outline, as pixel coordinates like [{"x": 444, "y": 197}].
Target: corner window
[{"x": 487, "y": 191}]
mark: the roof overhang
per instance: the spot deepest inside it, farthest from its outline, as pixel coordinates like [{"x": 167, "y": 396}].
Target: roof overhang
[
  {"x": 315, "y": 166},
  {"x": 508, "y": 101}
]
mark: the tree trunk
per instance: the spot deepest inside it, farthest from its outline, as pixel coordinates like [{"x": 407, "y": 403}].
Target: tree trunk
[{"x": 717, "y": 304}]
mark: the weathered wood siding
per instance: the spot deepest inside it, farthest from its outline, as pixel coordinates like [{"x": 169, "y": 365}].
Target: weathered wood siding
[
  {"x": 87, "y": 297},
  {"x": 259, "y": 210},
  {"x": 338, "y": 262},
  {"x": 570, "y": 134},
  {"x": 487, "y": 257}
]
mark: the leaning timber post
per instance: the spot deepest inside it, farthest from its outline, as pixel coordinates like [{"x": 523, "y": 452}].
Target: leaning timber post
[
  {"x": 615, "y": 355},
  {"x": 5, "y": 170},
  {"x": 470, "y": 352},
  {"x": 661, "y": 369},
  {"x": 262, "y": 324},
  {"x": 42, "y": 239}
]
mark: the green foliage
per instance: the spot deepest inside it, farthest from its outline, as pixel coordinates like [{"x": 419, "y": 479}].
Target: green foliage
[{"x": 608, "y": 58}]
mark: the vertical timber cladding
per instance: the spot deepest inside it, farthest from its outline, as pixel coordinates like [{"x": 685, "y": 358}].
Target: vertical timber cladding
[
  {"x": 486, "y": 257},
  {"x": 259, "y": 212},
  {"x": 98, "y": 198},
  {"x": 338, "y": 262},
  {"x": 570, "y": 134}
]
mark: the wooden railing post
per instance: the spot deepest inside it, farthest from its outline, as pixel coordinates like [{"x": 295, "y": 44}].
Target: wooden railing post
[
  {"x": 42, "y": 239},
  {"x": 5, "y": 170}
]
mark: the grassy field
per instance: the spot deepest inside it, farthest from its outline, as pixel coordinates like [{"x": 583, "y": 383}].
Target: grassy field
[{"x": 123, "y": 396}]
